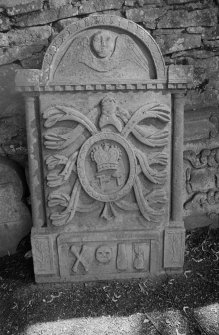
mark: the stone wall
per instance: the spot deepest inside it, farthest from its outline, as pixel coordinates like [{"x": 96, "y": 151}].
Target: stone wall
[{"x": 186, "y": 31}]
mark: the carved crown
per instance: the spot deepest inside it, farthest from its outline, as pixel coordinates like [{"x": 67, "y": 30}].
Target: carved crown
[{"x": 106, "y": 156}]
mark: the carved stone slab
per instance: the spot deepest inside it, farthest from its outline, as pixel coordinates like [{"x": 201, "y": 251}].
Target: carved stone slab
[
  {"x": 98, "y": 258},
  {"x": 106, "y": 154},
  {"x": 111, "y": 166}
]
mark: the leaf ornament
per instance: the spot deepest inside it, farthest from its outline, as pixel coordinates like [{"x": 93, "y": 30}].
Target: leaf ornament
[
  {"x": 155, "y": 139},
  {"x": 157, "y": 197},
  {"x": 54, "y": 141},
  {"x": 151, "y": 110},
  {"x": 59, "y": 142},
  {"x": 60, "y": 219},
  {"x": 53, "y": 161},
  {"x": 58, "y": 199},
  {"x": 52, "y": 116},
  {"x": 55, "y": 179},
  {"x": 63, "y": 113},
  {"x": 127, "y": 206},
  {"x": 156, "y": 177},
  {"x": 158, "y": 158},
  {"x": 148, "y": 212}
]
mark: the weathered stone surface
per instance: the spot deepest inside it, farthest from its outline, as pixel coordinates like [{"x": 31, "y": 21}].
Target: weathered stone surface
[
  {"x": 195, "y": 100},
  {"x": 175, "y": 2},
  {"x": 5, "y": 23},
  {"x": 205, "y": 71},
  {"x": 46, "y": 16},
  {"x": 34, "y": 61},
  {"x": 7, "y": 77},
  {"x": 61, "y": 24},
  {"x": 58, "y": 3},
  {"x": 132, "y": 3},
  {"x": 196, "y": 54},
  {"x": 178, "y": 42},
  {"x": 23, "y": 43},
  {"x": 15, "y": 7},
  {"x": 183, "y": 18},
  {"x": 110, "y": 12},
  {"x": 15, "y": 220},
  {"x": 18, "y": 53},
  {"x": 99, "y": 5},
  {"x": 147, "y": 15},
  {"x": 212, "y": 45},
  {"x": 25, "y": 37}
]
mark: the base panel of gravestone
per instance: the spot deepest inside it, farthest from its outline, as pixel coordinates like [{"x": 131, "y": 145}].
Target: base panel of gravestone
[{"x": 96, "y": 256}]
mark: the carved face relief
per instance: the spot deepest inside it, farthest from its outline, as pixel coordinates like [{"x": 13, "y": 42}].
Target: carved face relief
[
  {"x": 103, "y": 44},
  {"x": 104, "y": 254}
]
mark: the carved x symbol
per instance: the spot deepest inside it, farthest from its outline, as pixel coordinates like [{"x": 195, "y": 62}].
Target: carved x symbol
[{"x": 80, "y": 258}]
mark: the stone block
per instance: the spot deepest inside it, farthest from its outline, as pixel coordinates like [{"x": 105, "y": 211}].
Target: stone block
[
  {"x": 178, "y": 42},
  {"x": 199, "y": 99},
  {"x": 34, "y": 61},
  {"x": 5, "y": 23},
  {"x": 26, "y": 37},
  {"x": 18, "y": 53},
  {"x": 15, "y": 220},
  {"x": 177, "y": 2},
  {"x": 61, "y": 24},
  {"x": 183, "y": 18},
  {"x": 16, "y": 7},
  {"x": 23, "y": 43},
  {"x": 141, "y": 3},
  {"x": 212, "y": 45},
  {"x": 180, "y": 73},
  {"x": 195, "y": 54},
  {"x": 148, "y": 15},
  {"x": 58, "y": 3},
  {"x": 93, "y": 6},
  {"x": 45, "y": 16}
]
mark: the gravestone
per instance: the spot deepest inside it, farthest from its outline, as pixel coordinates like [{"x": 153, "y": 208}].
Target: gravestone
[{"x": 105, "y": 138}]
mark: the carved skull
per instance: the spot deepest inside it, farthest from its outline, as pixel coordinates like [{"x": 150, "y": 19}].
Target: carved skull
[{"x": 104, "y": 254}]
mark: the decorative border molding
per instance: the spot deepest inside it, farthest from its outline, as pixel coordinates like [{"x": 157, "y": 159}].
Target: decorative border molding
[{"x": 104, "y": 87}]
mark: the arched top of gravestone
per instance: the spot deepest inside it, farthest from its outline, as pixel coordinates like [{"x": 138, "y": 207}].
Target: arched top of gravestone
[{"x": 103, "y": 49}]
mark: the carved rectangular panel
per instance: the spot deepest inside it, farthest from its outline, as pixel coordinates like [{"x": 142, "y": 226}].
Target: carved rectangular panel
[
  {"x": 43, "y": 254},
  {"x": 174, "y": 246},
  {"x": 102, "y": 256},
  {"x": 107, "y": 160}
]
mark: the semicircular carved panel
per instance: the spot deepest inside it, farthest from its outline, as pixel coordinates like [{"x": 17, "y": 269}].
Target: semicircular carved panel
[{"x": 103, "y": 48}]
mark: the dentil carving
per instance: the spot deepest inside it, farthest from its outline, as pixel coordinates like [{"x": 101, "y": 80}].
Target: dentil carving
[{"x": 103, "y": 160}]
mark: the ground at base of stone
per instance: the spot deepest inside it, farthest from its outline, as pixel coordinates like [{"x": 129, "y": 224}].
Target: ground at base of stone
[{"x": 186, "y": 304}]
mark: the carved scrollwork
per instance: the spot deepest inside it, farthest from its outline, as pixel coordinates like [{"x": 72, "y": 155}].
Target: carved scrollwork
[
  {"x": 114, "y": 163},
  {"x": 202, "y": 184}
]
